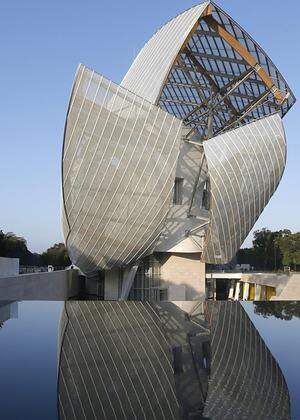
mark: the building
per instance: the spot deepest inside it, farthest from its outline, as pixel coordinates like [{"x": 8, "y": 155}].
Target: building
[
  {"x": 246, "y": 381},
  {"x": 252, "y": 286},
  {"x": 170, "y": 169},
  {"x": 8, "y": 310},
  {"x": 166, "y": 360},
  {"x": 132, "y": 360}
]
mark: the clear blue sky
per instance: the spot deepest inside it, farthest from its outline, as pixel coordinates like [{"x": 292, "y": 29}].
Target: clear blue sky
[{"x": 41, "y": 44}]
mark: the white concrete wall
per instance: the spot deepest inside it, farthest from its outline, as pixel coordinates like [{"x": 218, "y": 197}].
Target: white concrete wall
[
  {"x": 56, "y": 285},
  {"x": 9, "y": 267},
  {"x": 111, "y": 287},
  {"x": 291, "y": 290},
  {"x": 183, "y": 270}
]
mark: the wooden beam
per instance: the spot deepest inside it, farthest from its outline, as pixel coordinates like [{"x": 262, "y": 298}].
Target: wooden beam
[{"x": 245, "y": 54}]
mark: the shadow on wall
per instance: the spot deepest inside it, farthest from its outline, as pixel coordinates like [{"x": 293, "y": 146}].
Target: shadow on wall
[{"x": 184, "y": 275}]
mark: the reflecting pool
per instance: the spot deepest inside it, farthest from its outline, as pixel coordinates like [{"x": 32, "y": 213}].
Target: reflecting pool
[{"x": 114, "y": 360}]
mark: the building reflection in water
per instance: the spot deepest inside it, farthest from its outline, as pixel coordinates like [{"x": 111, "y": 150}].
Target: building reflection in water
[
  {"x": 246, "y": 382},
  {"x": 167, "y": 360},
  {"x": 8, "y": 310}
]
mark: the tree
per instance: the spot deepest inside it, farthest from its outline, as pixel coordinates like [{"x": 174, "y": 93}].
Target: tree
[
  {"x": 265, "y": 244},
  {"x": 266, "y": 253},
  {"x": 57, "y": 255},
  {"x": 247, "y": 256},
  {"x": 289, "y": 246},
  {"x": 13, "y": 246},
  {"x": 285, "y": 310}
]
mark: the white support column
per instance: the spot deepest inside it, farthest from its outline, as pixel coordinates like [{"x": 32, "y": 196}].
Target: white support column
[
  {"x": 128, "y": 282},
  {"x": 257, "y": 294},
  {"x": 231, "y": 290},
  {"x": 237, "y": 290},
  {"x": 246, "y": 291},
  {"x": 263, "y": 293}
]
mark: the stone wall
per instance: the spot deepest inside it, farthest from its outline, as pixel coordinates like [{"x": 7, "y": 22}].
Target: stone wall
[{"x": 184, "y": 271}]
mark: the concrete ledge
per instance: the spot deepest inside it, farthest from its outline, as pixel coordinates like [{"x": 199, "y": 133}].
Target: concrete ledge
[
  {"x": 287, "y": 285},
  {"x": 291, "y": 291},
  {"x": 277, "y": 280},
  {"x": 224, "y": 275},
  {"x": 55, "y": 285}
]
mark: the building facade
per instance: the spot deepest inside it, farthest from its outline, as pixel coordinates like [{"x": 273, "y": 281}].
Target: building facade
[
  {"x": 166, "y": 360},
  {"x": 171, "y": 169}
]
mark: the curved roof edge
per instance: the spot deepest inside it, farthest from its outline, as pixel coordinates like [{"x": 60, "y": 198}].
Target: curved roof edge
[
  {"x": 152, "y": 65},
  {"x": 150, "y": 69}
]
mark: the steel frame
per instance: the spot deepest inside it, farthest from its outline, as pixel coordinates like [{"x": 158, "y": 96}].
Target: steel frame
[{"x": 221, "y": 78}]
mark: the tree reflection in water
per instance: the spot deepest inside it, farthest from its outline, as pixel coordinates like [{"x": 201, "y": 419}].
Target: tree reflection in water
[{"x": 284, "y": 310}]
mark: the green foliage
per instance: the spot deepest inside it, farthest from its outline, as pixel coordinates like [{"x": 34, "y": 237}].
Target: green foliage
[
  {"x": 266, "y": 253},
  {"x": 285, "y": 310},
  {"x": 289, "y": 246},
  {"x": 13, "y": 246},
  {"x": 57, "y": 256},
  {"x": 247, "y": 256}
]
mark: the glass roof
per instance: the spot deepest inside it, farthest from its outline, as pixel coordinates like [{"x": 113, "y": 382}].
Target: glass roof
[{"x": 222, "y": 79}]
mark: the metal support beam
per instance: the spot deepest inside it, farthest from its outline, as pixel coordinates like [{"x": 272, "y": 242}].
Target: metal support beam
[
  {"x": 247, "y": 110},
  {"x": 210, "y": 124},
  {"x": 195, "y": 229},
  {"x": 187, "y": 85},
  {"x": 196, "y": 143},
  {"x": 213, "y": 84},
  {"x": 237, "y": 81},
  {"x": 128, "y": 282},
  {"x": 245, "y": 54},
  {"x": 202, "y": 32},
  {"x": 219, "y": 58},
  {"x": 193, "y": 82},
  {"x": 195, "y": 187},
  {"x": 177, "y": 101},
  {"x": 224, "y": 92}
]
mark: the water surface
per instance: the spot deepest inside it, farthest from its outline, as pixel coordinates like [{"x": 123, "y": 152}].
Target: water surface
[{"x": 29, "y": 351}]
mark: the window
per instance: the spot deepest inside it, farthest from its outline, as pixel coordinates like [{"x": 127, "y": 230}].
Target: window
[
  {"x": 206, "y": 196},
  {"x": 178, "y": 188},
  {"x": 163, "y": 295}
]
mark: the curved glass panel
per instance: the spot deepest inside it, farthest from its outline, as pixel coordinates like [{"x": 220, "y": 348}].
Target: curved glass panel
[
  {"x": 245, "y": 166},
  {"x": 119, "y": 162}
]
